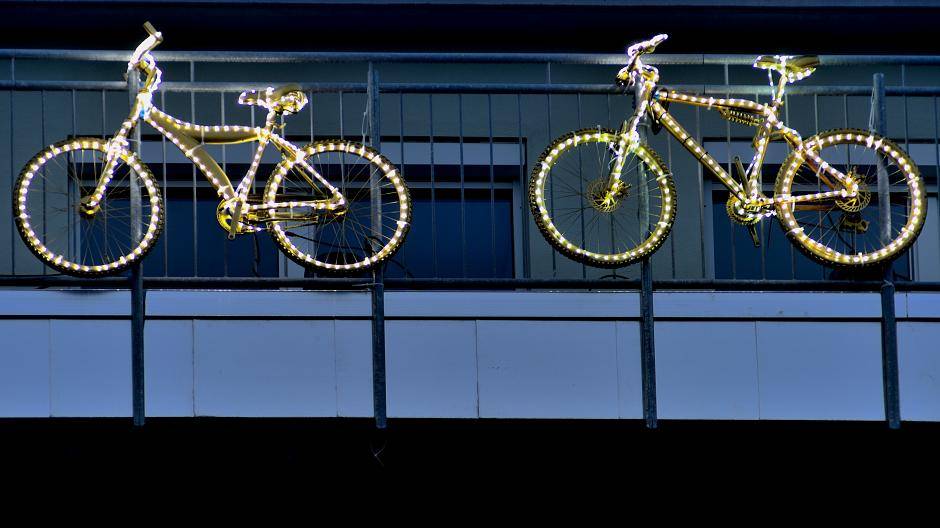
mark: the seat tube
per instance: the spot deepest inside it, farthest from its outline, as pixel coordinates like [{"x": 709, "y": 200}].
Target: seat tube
[
  {"x": 627, "y": 136},
  {"x": 245, "y": 184}
]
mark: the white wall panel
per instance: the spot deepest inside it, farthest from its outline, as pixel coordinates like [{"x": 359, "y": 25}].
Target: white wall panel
[
  {"x": 287, "y": 303},
  {"x": 820, "y": 371},
  {"x": 919, "y": 366},
  {"x": 84, "y": 303},
  {"x": 168, "y": 367},
  {"x": 353, "y": 368},
  {"x": 24, "y": 368},
  {"x": 447, "y": 305},
  {"x": 445, "y": 361},
  {"x": 774, "y": 305},
  {"x": 264, "y": 368},
  {"x": 432, "y": 368},
  {"x": 629, "y": 373},
  {"x": 706, "y": 370},
  {"x": 547, "y": 369},
  {"x": 90, "y": 367}
]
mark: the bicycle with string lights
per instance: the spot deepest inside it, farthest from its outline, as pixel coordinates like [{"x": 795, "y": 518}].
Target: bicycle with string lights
[
  {"x": 89, "y": 206},
  {"x": 844, "y": 197}
]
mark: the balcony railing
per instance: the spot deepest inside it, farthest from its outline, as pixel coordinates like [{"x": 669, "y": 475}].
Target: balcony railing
[{"x": 466, "y": 148}]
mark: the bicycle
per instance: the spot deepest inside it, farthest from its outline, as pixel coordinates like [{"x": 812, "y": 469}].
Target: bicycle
[
  {"x": 605, "y": 198},
  {"x": 335, "y": 206}
]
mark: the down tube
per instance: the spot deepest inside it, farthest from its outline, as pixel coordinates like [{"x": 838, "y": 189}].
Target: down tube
[{"x": 693, "y": 146}]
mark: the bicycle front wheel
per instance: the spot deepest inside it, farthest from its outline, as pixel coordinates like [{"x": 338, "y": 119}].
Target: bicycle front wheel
[
  {"x": 852, "y": 231},
  {"x": 52, "y": 214},
  {"x": 569, "y": 201},
  {"x": 366, "y": 233}
]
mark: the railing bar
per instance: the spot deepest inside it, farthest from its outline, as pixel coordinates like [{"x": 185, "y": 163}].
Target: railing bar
[
  {"x": 764, "y": 226},
  {"x": 463, "y": 209},
  {"x": 72, "y": 238},
  {"x": 822, "y": 270},
  {"x": 467, "y": 88},
  {"x": 936, "y": 144},
  {"x": 672, "y": 239},
  {"x": 12, "y": 161},
  {"x": 225, "y": 241},
  {"x": 192, "y": 111},
  {"x": 489, "y": 105},
  {"x": 433, "y": 196},
  {"x": 45, "y": 195},
  {"x": 911, "y": 262},
  {"x": 581, "y": 191},
  {"x": 166, "y": 200},
  {"x": 526, "y": 248},
  {"x": 731, "y": 170},
  {"x": 689, "y": 59},
  {"x": 701, "y": 196},
  {"x": 867, "y": 286},
  {"x": 548, "y": 128},
  {"x": 401, "y": 166}
]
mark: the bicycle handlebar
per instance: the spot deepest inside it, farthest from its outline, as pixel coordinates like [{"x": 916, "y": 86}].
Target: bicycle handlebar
[
  {"x": 152, "y": 41},
  {"x": 646, "y": 46},
  {"x": 625, "y": 77}
]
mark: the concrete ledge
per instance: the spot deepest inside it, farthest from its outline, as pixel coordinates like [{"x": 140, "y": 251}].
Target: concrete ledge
[{"x": 720, "y": 355}]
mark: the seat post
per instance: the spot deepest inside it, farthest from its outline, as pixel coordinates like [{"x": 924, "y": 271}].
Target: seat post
[{"x": 781, "y": 87}]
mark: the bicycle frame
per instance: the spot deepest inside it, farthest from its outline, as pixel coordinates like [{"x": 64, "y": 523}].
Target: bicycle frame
[
  {"x": 651, "y": 99},
  {"x": 190, "y": 138}
]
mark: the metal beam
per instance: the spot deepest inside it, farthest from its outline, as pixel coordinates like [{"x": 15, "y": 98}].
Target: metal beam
[
  {"x": 678, "y": 59},
  {"x": 379, "y": 389},
  {"x": 889, "y": 327},
  {"x": 138, "y": 293}
]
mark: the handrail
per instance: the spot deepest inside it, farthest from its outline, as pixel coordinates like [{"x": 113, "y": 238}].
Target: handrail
[{"x": 684, "y": 59}]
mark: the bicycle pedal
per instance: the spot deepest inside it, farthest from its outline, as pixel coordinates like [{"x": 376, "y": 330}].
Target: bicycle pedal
[
  {"x": 755, "y": 237},
  {"x": 742, "y": 175}
]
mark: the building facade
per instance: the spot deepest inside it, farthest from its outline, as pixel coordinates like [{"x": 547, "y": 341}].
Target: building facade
[{"x": 740, "y": 331}]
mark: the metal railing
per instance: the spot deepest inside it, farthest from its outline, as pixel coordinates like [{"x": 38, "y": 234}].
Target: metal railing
[
  {"x": 526, "y": 115},
  {"x": 513, "y": 124}
]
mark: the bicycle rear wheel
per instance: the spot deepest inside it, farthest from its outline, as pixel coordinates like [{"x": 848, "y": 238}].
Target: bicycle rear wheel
[
  {"x": 852, "y": 231},
  {"x": 566, "y": 195},
  {"x": 69, "y": 237},
  {"x": 369, "y": 230}
]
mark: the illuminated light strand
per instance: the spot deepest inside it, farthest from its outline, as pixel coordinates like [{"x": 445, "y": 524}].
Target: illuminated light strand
[
  {"x": 376, "y": 159},
  {"x": 59, "y": 261},
  {"x": 906, "y": 232},
  {"x": 648, "y": 245}
]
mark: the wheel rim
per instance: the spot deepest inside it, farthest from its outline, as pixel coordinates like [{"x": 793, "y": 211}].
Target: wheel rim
[
  {"x": 341, "y": 242},
  {"x": 50, "y": 218},
  {"x": 567, "y": 199},
  {"x": 846, "y": 231}
]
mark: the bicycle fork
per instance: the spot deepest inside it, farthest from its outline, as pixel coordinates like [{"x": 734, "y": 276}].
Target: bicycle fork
[
  {"x": 628, "y": 138},
  {"x": 90, "y": 204}
]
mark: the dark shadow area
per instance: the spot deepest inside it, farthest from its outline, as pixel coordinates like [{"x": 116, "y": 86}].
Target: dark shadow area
[
  {"x": 480, "y": 445},
  {"x": 470, "y": 26}
]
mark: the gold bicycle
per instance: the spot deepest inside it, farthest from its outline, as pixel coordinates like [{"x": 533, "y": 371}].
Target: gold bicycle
[
  {"x": 844, "y": 197},
  {"x": 88, "y": 206}
]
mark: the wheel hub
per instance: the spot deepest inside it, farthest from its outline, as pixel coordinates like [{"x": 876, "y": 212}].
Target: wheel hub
[
  {"x": 861, "y": 199},
  {"x": 86, "y": 210},
  {"x": 603, "y": 198}
]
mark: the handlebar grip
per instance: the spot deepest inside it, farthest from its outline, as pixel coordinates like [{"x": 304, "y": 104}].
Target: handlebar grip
[{"x": 152, "y": 31}]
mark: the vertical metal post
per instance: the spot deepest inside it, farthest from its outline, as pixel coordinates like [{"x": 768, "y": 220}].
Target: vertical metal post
[
  {"x": 647, "y": 343},
  {"x": 889, "y": 334},
  {"x": 378, "y": 288},
  {"x": 138, "y": 301}
]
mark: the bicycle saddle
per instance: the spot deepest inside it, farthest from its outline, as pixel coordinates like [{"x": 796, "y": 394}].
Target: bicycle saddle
[
  {"x": 289, "y": 98},
  {"x": 794, "y": 67}
]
